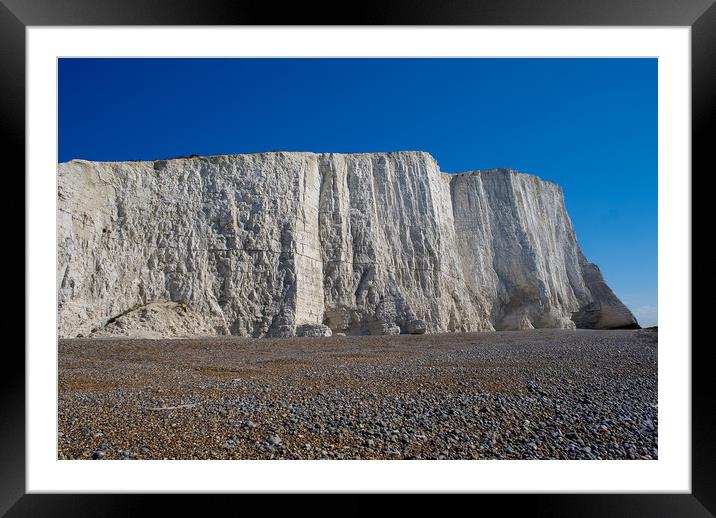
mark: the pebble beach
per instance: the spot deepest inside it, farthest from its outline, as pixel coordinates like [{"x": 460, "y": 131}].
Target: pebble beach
[{"x": 538, "y": 394}]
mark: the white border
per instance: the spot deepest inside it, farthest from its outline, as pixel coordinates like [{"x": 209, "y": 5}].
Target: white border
[{"x": 671, "y": 473}]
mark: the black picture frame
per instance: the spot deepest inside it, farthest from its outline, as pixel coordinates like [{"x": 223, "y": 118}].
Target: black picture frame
[{"x": 700, "y": 15}]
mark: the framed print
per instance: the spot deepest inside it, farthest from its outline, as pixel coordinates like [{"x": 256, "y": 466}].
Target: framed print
[{"x": 426, "y": 249}]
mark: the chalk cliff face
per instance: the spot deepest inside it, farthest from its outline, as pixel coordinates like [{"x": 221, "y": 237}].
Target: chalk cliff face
[{"x": 279, "y": 244}]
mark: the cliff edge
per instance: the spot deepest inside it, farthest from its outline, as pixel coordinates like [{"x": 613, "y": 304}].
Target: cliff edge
[{"x": 280, "y": 244}]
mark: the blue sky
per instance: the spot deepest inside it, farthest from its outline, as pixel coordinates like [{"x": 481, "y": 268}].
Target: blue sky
[{"x": 589, "y": 125}]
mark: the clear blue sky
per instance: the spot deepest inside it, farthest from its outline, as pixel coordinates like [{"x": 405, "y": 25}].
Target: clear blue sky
[{"x": 589, "y": 125}]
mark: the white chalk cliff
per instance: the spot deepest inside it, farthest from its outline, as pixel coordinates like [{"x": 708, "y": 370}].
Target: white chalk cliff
[{"x": 279, "y": 244}]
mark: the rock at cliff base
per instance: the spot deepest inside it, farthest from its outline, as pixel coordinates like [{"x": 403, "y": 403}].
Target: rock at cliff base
[
  {"x": 416, "y": 327},
  {"x": 156, "y": 320},
  {"x": 313, "y": 330}
]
